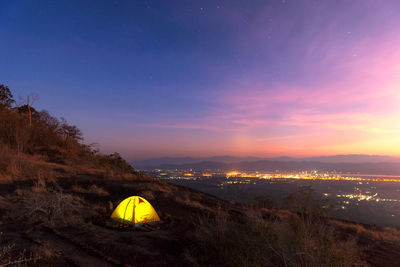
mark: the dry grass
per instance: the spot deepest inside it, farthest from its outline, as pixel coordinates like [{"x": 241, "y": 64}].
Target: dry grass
[
  {"x": 93, "y": 189},
  {"x": 380, "y": 233},
  {"x": 259, "y": 242},
  {"x": 157, "y": 186},
  {"x": 186, "y": 199},
  {"x": 6, "y": 249},
  {"x": 11, "y": 256},
  {"x": 21, "y": 167},
  {"x": 78, "y": 189},
  {"x": 46, "y": 203},
  {"x": 92, "y": 168}
]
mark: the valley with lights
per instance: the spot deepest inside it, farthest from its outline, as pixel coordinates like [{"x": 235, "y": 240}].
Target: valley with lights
[{"x": 366, "y": 198}]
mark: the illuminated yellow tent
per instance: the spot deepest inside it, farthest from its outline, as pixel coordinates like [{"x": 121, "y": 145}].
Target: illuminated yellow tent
[{"x": 135, "y": 210}]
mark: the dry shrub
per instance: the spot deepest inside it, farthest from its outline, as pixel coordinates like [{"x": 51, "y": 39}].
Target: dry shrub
[
  {"x": 48, "y": 204},
  {"x": 18, "y": 166},
  {"x": 10, "y": 255},
  {"x": 222, "y": 241},
  {"x": 312, "y": 242},
  {"x": 4, "y": 203},
  {"x": 115, "y": 164},
  {"x": 5, "y": 154},
  {"x": 15, "y": 165},
  {"x": 97, "y": 190},
  {"x": 5, "y": 178},
  {"x": 93, "y": 189},
  {"x": 165, "y": 188},
  {"x": 197, "y": 205},
  {"x": 39, "y": 185},
  {"x": 153, "y": 186},
  {"x": 109, "y": 173},
  {"x": 128, "y": 176},
  {"x": 380, "y": 233},
  {"x": 78, "y": 189},
  {"x": 6, "y": 249},
  {"x": 46, "y": 251},
  {"x": 112, "y": 174},
  {"x": 184, "y": 198},
  {"x": 88, "y": 168},
  {"x": 387, "y": 234}
]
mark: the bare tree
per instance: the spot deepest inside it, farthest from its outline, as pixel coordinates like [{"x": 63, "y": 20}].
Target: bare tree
[{"x": 30, "y": 100}]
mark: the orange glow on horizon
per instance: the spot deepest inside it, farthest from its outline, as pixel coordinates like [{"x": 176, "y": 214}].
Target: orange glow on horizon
[{"x": 233, "y": 174}]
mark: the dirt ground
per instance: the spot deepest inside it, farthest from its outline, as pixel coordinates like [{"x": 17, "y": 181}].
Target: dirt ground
[
  {"x": 98, "y": 241},
  {"x": 82, "y": 234}
]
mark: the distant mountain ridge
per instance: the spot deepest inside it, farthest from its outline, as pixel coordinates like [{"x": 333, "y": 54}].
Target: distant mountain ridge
[
  {"x": 377, "y": 168},
  {"x": 345, "y": 159},
  {"x": 190, "y": 160}
]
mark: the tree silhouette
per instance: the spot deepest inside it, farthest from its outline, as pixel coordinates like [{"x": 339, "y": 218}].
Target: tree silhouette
[{"x": 6, "y": 98}]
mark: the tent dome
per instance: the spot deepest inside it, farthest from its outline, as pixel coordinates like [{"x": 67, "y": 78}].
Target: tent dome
[{"x": 135, "y": 210}]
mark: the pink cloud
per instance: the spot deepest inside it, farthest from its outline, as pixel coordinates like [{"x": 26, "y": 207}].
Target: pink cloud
[{"x": 369, "y": 85}]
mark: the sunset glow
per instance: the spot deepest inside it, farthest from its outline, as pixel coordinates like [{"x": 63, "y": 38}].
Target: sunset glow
[{"x": 266, "y": 78}]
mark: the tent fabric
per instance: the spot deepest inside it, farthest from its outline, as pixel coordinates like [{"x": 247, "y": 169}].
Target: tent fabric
[{"x": 135, "y": 210}]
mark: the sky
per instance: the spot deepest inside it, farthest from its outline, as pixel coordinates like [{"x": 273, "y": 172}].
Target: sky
[{"x": 205, "y": 78}]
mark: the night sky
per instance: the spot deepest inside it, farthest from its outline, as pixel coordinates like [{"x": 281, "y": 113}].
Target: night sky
[{"x": 203, "y": 78}]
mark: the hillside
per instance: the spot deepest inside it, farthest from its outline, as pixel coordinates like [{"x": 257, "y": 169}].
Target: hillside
[
  {"x": 57, "y": 195},
  {"x": 65, "y": 221}
]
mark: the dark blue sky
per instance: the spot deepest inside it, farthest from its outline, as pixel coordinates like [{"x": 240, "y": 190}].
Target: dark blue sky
[{"x": 156, "y": 78}]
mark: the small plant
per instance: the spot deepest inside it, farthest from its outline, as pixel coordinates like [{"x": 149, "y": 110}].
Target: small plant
[{"x": 9, "y": 256}]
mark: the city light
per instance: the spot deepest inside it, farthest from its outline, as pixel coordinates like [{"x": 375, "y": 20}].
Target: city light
[
  {"x": 345, "y": 192},
  {"x": 309, "y": 176}
]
